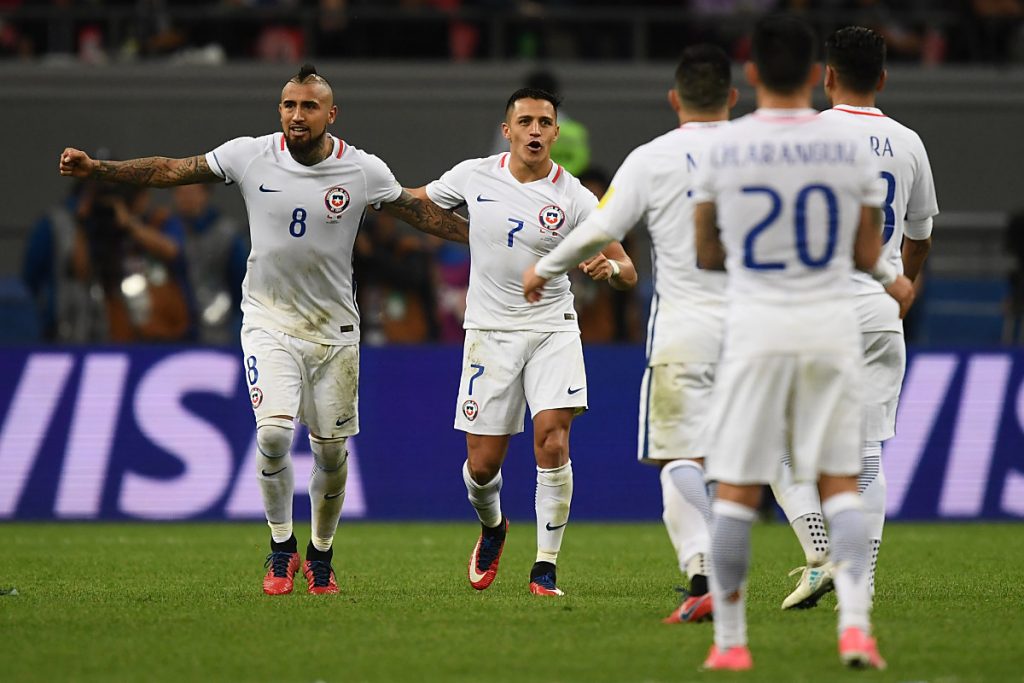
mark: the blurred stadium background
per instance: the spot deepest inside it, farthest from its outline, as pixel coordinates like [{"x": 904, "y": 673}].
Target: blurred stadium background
[{"x": 133, "y": 405}]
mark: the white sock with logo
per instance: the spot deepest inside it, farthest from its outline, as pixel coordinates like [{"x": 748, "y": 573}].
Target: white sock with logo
[
  {"x": 327, "y": 489},
  {"x": 730, "y": 560},
  {"x": 554, "y": 496},
  {"x": 275, "y": 475},
  {"x": 850, "y": 550}
]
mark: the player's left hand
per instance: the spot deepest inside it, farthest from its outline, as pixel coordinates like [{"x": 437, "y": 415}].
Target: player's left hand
[
  {"x": 532, "y": 285},
  {"x": 598, "y": 268},
  {"x": 902, "y": 289}
]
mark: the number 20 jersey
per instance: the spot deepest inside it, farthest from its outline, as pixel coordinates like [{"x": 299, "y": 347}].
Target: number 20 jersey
[
  {"x": 789, "y": 186},
  {"x": 511, "y": 225},
  {"x": 303, "y": 222}
]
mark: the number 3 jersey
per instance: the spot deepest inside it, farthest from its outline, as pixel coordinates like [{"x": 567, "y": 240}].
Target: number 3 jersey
[
  {"x": 303, "y": 222},
  {"x": 511, "y": 225},
  {"x": 908, "y": 207}
]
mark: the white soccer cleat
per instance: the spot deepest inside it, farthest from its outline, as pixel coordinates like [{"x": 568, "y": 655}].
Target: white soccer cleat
[{"x": 813, "y": 584}]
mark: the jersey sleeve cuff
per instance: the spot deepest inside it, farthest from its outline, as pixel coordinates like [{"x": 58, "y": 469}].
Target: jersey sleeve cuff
[{"x": 919, "y": 229}]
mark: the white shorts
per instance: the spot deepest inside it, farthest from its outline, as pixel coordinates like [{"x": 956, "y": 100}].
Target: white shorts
[
  {"x": 809, "y": 404},
  {"x": 674, "y": 401},
  {"x": 885, "y": 362},
  {"x": 317, "y": 383},
  {"x": 502, "y": 372}
]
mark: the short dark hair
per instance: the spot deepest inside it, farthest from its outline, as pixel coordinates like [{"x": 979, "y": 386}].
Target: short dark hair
[
  {"x": 857, "y": 55},
  {"x": 704, "y": 77},
  {"x": 784, "y": 49},
  {"x": 532, "y": 94}
]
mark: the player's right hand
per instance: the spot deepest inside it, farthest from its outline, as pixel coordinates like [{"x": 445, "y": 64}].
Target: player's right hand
[
  {"x": 75, "y": 163},
  {"x": 902, "y": 289}
]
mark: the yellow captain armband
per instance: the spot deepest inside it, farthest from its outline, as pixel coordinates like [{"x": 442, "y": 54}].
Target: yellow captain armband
[{"x": 606, "y": 197}]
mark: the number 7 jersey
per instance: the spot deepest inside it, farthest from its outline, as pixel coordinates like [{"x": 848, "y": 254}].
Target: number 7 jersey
[
  {"x": 511, "y": 225},
  {"x": 303, "y": 222}
]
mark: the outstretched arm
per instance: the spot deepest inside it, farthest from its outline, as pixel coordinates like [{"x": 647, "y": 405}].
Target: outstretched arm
[
  {"x": 147, "y": 171},
  {"x": 416, "y": 209}
]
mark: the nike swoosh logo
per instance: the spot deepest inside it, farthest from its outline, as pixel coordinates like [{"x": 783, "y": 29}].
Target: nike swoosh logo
[
  {"x": 265, "y": 189},
  {"x": 481, "y": 198},
  {"x": 552, "y": 528},
  {"x": 575, "y": 391},
  {"x": 474, "y": 575},
  {"x": 270, "y": 474},
  {"x": 328, "y": 496},
  {"x": 341, "y": 422}
]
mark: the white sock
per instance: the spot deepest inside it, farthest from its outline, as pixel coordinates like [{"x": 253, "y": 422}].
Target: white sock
[
  {"x": 686, "y": 510},
  {"x": 871, "y": 484},
  {"x": 554, "y": 496},
  {"x": 730, "y": 560},
  {"x": 799, "y": 500},
  {"x": 327, "y": 489},
  {"x": 850, "y": 554},
  {"x": 276, "y": 476},
  {"x": 485, "y": 498}
]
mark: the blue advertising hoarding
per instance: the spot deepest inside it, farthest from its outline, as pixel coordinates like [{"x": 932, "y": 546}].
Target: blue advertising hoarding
[{"x": 166, "y": 433}]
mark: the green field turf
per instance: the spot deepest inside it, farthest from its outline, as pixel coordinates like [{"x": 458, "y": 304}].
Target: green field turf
[{"x": 136, "y": 602}]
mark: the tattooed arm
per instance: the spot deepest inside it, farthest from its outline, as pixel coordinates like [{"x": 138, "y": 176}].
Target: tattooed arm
[
  {"x": 148, "y": 171},
  {"x": 416, "y": 209}
]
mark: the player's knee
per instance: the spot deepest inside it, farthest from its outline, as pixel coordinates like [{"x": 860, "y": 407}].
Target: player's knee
[
  {"x": 552, "y": 447},
  {"x": 274, "y": 440},
  {"x": 329, "y": 454}
]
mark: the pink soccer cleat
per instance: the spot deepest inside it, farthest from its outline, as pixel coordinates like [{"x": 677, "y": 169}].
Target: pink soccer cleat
[
  {"x": 736, "y": 658},
  {"x": 858, "y": 650},
  {"x": 281, "y": 568}
]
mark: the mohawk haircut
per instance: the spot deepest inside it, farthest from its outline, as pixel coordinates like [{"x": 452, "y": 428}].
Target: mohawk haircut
[
  {"x": 784, "y": 49},
  {"x": 857, "y": 55},
  {"x": 704, "y": 77},
  {"x": 532, "y": 94},
  {"x": 307, "y": 74}
]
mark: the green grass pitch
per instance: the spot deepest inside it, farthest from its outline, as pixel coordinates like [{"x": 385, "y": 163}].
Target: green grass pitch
[{"x": 182, "y": 602}]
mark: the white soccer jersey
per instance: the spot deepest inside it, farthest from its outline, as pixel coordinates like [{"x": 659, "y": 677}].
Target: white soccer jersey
[
  {"x": 511, "y": 225},
  {"x": 908, "y": 208},
  {"x": 303, "y": 222},
  {"x": 654, "y": 184},
  {"x": 789, "y": 186}
]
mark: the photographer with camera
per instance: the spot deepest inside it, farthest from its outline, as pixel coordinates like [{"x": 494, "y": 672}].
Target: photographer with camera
[{"x": 138, "y": 266}]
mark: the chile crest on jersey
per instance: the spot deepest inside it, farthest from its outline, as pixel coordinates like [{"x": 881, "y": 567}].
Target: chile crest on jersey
[
  {"x": 336, "y": 200},
  {"x": 551, "y": 218}
]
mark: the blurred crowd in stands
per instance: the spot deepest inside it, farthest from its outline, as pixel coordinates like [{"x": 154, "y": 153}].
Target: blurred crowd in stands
[{"x": 211, "y": 31}]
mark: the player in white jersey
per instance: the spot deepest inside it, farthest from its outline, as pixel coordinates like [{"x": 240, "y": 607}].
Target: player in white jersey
[
  {"x": 684, "y": 332},
  {"x": 305, "y": 192},
  {"x": 521, "y": 204},
  {"x": 784, "y": 198},
  {"x": 854, "y": 72}
]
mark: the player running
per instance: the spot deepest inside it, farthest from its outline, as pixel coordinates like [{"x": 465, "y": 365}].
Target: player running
[
  {"x": 305, "y": 192},
  {"x": 785, "y": 198},
  {"x": 684, "y": 332},
  {"x": 854, "y": 72},
  {"x": 521, "y": 204}
]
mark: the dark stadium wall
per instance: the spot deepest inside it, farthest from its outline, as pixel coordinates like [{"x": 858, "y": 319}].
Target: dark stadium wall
[{"x": 422, "y": 119}]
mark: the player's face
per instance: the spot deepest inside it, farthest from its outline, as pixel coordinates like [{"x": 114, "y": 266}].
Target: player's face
[
  {"x": 306, "y": 111},
  {"x": 531, "y": 128}
]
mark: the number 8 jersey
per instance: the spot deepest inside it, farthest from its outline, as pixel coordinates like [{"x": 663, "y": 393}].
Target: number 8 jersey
[
  {"x": 511, "y": 225},
  {"x": 303, "y": 222}
]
